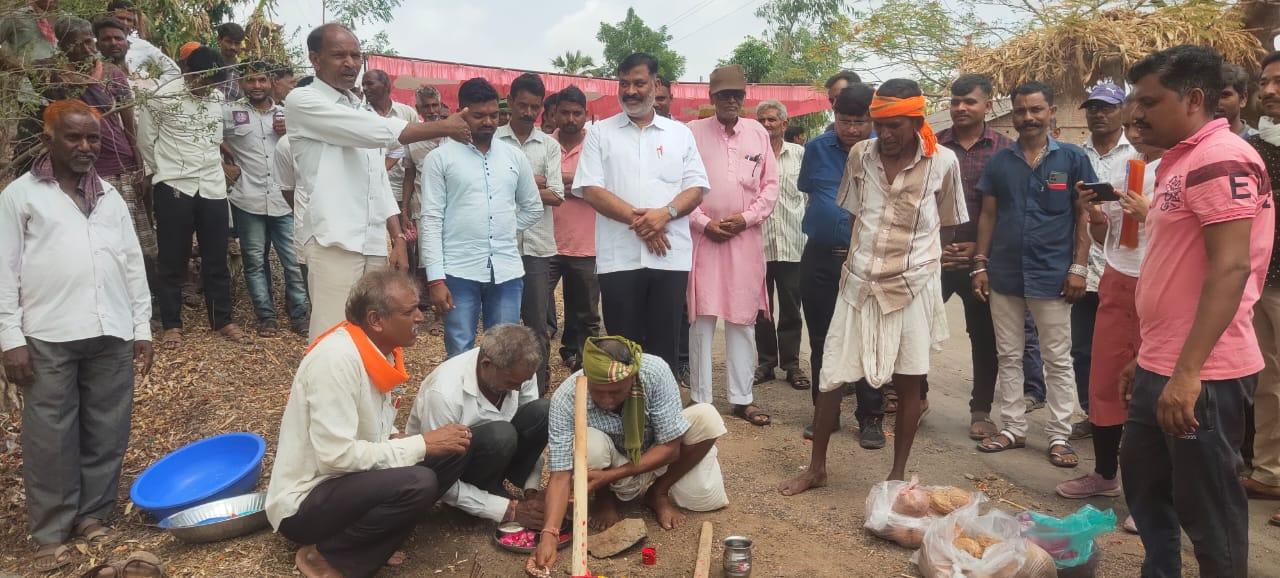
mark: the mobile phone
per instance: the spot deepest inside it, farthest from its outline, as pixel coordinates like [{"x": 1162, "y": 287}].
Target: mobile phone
[{"x": 1105, "y": 191}]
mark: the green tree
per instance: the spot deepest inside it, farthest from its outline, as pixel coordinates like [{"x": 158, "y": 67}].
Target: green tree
[
  {"x": 573, "y": 62},
  {"x": 632, "y": 35},
  {"x": 809, "y": 39},
  {"x": 755, "y": 56},
  {"x": 926, "y": 37}
]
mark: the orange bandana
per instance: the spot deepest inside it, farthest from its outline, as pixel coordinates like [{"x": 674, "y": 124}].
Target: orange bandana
[
  {"x": 888, "y": 107},
  {"x": 384, "y": 376}
]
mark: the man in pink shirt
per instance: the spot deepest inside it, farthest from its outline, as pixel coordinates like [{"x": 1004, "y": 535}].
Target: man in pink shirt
[
  {"x": 575, "y": 229},
  {"x": 1210, "y": 232},
  {"x": 727, "y": 279}
]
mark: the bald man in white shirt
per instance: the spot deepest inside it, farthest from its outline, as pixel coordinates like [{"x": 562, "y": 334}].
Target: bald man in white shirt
[{"x": 339, "y": 148}]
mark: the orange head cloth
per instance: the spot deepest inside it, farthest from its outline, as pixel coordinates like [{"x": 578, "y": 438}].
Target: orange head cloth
[
  {"x": 187, "y": 49},
  {"x": 889, "y": 107}
]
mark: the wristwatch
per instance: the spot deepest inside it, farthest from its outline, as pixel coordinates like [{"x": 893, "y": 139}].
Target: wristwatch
[{"x": 672, "y": 211}]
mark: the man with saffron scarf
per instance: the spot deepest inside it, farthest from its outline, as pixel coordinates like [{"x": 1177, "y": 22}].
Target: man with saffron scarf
[
  {"x": 638, "y": 439},
  {"x": 346, "y": 484},
  {"x": 908, "y": 196}
]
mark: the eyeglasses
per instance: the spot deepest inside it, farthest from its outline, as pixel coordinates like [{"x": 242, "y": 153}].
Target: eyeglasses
[
  {"x": 726, "y": 95},
  {"x": 853, "y": 122}
]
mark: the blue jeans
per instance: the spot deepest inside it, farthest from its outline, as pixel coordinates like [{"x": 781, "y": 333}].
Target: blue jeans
[
  {"x": 498, "y": 302},
  {"x": 256, "y": 233}
]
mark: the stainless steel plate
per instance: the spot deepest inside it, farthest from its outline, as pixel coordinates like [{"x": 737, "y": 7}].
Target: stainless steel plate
[{"x": 219, "y": 520}]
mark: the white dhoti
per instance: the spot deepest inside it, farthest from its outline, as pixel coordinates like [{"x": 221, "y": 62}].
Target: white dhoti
[
  {"x": 866, "y": 343},
  {"x": 700, "y": 490}
]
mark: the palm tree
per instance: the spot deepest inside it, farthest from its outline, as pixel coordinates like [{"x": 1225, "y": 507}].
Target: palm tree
[{"x": 574, "y": 62}]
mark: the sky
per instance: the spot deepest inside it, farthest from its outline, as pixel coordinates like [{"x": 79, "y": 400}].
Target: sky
[{"x": 527, "y": 35}]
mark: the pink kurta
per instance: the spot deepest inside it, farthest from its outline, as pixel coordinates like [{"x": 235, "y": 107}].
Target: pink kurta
[{"x": 727, "y": 279}]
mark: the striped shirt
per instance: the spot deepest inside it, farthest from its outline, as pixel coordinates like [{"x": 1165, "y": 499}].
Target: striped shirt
[
  {"x": 896, "y": 246},
  {"x": 664, "y": 417},
  {"x": 783, "y": 238}
]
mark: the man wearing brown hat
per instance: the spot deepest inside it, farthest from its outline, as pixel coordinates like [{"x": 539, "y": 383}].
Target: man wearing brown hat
[{"x": 727, "y": 279}]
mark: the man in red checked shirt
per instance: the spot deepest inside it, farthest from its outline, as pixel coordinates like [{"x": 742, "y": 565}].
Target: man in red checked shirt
[{"x": 1211, "y": 229}]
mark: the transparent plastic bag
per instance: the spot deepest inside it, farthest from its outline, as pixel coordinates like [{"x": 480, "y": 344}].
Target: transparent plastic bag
[
  {"x": 901, "y": 511},
  {"x": 1006, "y": 554},
  {"x": 1070, "y": 539}
]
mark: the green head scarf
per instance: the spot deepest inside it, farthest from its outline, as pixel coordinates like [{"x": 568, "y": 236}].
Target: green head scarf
[{"x": 600, "y": 367}]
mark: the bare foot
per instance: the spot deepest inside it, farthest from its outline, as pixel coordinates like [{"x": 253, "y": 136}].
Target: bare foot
[
  {"x": 804, "y": 482},
  {"x": 313, "y": 565},
  {"x": 669, "y": 516},
  {"x": 604, "y": 511},
  {"x": 397, "y": 558},
  {"x": 896, "y": 476}
]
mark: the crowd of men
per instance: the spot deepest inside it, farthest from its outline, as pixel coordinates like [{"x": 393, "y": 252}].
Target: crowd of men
[{"x": 1130, "y": 276}]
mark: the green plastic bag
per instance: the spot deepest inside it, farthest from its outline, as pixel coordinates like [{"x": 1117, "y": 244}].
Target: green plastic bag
[{"x": 1070, "y": 539}]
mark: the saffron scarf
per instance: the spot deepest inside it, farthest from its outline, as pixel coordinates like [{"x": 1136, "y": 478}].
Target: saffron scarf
[
  {"x": 600, "y": 367},
  {"x": 889, "y": 107},
  {"x": 384, "y": 375}
]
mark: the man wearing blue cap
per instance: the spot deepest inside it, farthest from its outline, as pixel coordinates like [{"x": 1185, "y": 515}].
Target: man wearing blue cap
[{"x": 1109, "y": 153}]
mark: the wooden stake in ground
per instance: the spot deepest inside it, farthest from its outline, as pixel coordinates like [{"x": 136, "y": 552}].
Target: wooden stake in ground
[
  {"x": 702, "y": 567},
  {"x": 578, "y": 566}
]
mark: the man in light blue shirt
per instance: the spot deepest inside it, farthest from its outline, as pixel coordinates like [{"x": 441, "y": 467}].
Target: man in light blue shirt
[{"x": 475, "y": 199}]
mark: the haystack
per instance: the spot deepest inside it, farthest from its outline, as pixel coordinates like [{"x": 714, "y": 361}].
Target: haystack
[{"x": 1077, "y": 52}]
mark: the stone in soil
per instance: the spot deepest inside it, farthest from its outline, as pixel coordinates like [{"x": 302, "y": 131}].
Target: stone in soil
[{"x": 617, "y": 538}]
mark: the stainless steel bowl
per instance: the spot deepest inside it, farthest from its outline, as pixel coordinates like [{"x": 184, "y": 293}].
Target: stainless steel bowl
[{"x": 219, "y": 520}]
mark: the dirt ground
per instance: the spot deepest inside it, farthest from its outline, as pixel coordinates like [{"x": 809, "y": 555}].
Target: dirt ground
[{"x": 212, "y": 387}]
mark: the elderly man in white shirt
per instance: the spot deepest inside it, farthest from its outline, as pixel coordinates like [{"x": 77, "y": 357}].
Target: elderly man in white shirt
[
  {"x": 476, "y": 197},
  {"x": 74, "y": 316},
  {"x": 643, "y": 175},
  {"x": 180, "y": 131},
  {"x": 537, "y": 243},
  {"x": 491, "y": 390},
  {"x": 345, "y": 483},
  {"x": 778, "y": 339},
  {"x": 339, "y": 149}
]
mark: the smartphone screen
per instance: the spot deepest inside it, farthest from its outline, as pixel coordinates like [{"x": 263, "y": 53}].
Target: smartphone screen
[{"x": 1106, "y": 192}]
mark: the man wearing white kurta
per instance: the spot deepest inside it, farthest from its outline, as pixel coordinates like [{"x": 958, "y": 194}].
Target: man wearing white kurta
[
  {"x": 491, "y": 389},
  {"x": 338, "y": 147}
]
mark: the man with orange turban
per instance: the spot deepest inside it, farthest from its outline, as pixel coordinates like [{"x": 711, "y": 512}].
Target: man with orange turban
[{"x": 907, "y": 195}]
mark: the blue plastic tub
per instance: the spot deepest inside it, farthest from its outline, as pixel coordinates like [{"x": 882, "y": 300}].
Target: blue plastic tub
[{"x": 222, "y": 466}]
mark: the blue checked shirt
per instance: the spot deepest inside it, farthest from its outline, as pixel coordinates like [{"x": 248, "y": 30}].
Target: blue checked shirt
[{"x": 664, "y": 417}]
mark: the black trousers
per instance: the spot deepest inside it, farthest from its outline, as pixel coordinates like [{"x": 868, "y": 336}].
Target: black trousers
[
  {"x": 778, "y": 339},
  {"x": 507, "y": 450},
  {"x": 1083, "y": 314},
  {"x": 534, "y": 301},
  {"x": 645, "y": 305},
  {"x": 581, "y": 301},
  {"x": 358, "y": 520},
  {"x": 820, "y": 269},
  {"x": 982, "y": 337},
  {"x": 1175, "y": 483},
  {"x": 178, "y": 216}
]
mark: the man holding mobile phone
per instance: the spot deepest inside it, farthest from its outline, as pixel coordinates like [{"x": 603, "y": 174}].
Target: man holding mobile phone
[{"x": 1109, "y": 153}]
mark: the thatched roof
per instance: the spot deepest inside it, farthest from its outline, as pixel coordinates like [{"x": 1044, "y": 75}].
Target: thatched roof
[{"x": 1078, "y": 52}]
